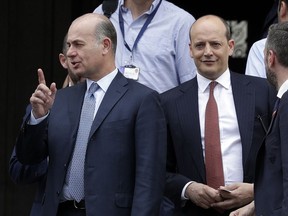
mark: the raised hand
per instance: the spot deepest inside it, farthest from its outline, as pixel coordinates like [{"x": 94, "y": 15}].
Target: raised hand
[{"x": 43, "y": 98}]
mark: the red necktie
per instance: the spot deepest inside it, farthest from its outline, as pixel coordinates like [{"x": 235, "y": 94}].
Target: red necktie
[
  {"x": 213, "y": 156},
  {"x": 275, "y": 109}
]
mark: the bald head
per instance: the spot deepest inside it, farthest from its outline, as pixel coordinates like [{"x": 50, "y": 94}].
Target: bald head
[
  {"x": 209, "y": 21},
  {"x": 91, "y": 19},
  {"x": 95, "y": 24}
]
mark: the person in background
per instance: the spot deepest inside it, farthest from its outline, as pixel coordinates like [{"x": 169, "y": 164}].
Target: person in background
[
  {"x": 123, "y": 170},
  {"x": 255, "y": 64},
  {"x": 28, "y": 174},
  {"x": 270, "y": 18},
  {"x": 255, "y": 61},
  {"x": 72, "y": 78},
  {"x": 153, "y": 42},
  {"x": 244, "y": 107},
  {"x": 270, "y": 188}
]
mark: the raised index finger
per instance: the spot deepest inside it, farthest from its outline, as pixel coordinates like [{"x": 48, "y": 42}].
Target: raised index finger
[{"x": 41, "y": 77}]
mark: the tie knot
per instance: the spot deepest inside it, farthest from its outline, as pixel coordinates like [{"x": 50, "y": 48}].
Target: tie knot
[
  {"x": 212, "y": 85},
  {"x": 93, "y": 88}
]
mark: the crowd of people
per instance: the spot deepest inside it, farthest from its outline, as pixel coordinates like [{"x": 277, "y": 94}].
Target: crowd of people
[{"x": 151, "y": 120}]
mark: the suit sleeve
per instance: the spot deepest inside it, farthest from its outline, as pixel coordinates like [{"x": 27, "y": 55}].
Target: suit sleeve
[{"x": 150, "y": 137}]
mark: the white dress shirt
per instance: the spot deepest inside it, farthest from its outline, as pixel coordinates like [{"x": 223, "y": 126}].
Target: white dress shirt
[{"x": 231, "y": 146}]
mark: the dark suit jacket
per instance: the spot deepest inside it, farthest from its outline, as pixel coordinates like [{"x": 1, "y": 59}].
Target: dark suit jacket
[
  {"x": 29, "y": 174},
  {"x": 271, "y": 184},
  {"x": 185, "y": 156},
  {"x": 126, "y": 152}
]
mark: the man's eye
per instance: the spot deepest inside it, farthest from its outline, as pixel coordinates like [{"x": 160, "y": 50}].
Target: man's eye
[
  {"x": 199, "y": 46},
  {"x": 216, "y": 45}
]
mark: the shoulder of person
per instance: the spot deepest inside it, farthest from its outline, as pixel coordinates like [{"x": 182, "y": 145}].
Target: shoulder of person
[
  {"x": 177, "y": 12},
  {"x": 139, "y": 86},
  {"x": 259, "y": 45},
  {"x": 255, "y": 80},
  {"x": 176, "y": 92}
]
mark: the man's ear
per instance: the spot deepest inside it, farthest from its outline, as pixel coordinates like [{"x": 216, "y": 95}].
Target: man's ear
[
  {"x": 271, "y": 58},
  {"x": 107, "y": 44},
  {"x": 63, "y": 61},
  {"x": 231, "y": 44}
]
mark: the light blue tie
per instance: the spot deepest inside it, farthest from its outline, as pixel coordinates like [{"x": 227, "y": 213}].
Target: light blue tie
[{"x": 76, "y": 169}]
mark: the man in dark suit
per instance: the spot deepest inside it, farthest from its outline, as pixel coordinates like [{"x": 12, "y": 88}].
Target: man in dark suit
[
  {"x": 244, "y": 108},
  {"x": 271, "y": 184},
  {"x": 124, "y": 165}
]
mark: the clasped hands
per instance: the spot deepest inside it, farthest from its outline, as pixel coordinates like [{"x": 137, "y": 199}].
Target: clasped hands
[{"x": 226, "y": 197}]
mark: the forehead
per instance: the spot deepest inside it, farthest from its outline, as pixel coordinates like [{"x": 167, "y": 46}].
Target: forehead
[
  {"x": 77, "y": 36},
  {"x": 81, "y": 30},
  {"x": 208, "y": 29}
]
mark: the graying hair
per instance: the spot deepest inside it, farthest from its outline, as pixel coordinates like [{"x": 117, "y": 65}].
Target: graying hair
[
  {"x": 105, "y": 28},
  {"x": 277, "y": 41}
]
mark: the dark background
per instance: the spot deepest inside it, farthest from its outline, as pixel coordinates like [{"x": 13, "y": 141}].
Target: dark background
[{"x": 31, "y": 37}]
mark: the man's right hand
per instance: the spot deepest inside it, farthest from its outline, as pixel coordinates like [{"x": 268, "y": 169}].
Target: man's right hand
[
  {"x": 202, "y": 195},
  {"x": 43, "y": 98}
]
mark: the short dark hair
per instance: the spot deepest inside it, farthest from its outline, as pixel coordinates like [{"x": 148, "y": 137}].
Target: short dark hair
[{"x": 277, "y": 41}]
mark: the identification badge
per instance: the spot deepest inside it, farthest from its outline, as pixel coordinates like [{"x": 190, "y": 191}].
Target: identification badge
[{"x": 131, "y": 72}]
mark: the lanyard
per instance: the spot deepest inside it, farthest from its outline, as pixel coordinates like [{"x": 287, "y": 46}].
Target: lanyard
[{"x": 144, "y": 27}]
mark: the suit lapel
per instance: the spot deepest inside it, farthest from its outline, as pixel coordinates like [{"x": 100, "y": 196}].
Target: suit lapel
[
  {"x": 188, "y": 114},
  {"x": 116, "y": 90},
  {"x": 244, "y": 100},
  {"x": 75, "y": 97}
]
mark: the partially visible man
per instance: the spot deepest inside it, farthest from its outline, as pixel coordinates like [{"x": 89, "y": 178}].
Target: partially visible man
[
  {"x": 255, "y": 62},
  {"x": 123, "y": 148},
  {"x": 153, "y": 42},
  {"x": 72, "y": 78},
  {"x": 244, "y": 107},
  {"x": 28, "y": 174},
  {"x": 271, "y": 185}
]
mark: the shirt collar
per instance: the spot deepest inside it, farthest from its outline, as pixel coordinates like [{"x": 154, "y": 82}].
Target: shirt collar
[
  {"x": 152, "y": 7},
  {"x": 283, "y": 88},
  {"x": 224, "y": 80},
  {"x": 105, "y": 82}
]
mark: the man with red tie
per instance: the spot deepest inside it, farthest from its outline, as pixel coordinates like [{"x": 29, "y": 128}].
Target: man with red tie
[{"x": 197, "y": 185}]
